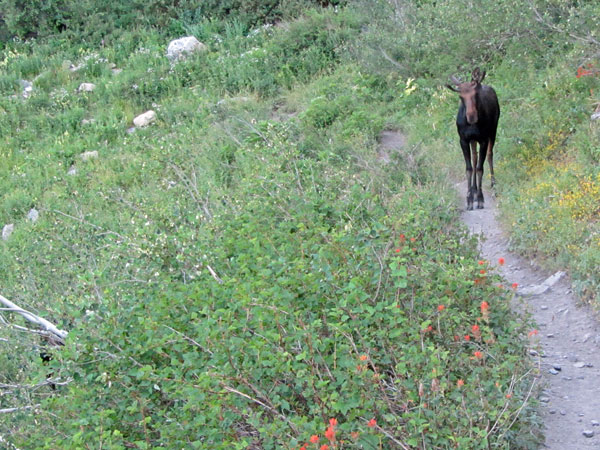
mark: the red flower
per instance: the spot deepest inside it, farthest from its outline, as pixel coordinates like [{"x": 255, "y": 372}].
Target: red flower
[
  {"x": 501, "y": 261},
  {"x": 508, "y": 395},
  {"x": 303, "y": 447},
  {"x": 397, "y": 250},
  {"x": 413, "y": 239},
  {"x": 480, "y": 262},
  {"x": 484, "y": 306},
  {"x": 515, "y": 285},
  {"x": 362, "y": 358},
  {"x": 354, "y": 435},
  {"x": 372, "y": 423},
  {"x": 441, "y": 308},
  {"x": 402, "y": 238},
  {"x": 533, "y": 333},
  {"x": 330, "y": 434},
  {"x": 314, "y": 439},
  {"x": 324, "y": 447},
  {"x": 581, "y": 72},
  {"x": 460, "y": 383},
  {"x": 475, "y": 328},
  {"x": 333, "y": 422},
  {"x": 467, "y": 337},
  {"x": 478, "y": 355},
  {"x": 482, "y": 271}
]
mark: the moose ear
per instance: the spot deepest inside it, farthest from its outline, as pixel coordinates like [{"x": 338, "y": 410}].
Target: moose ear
[
  {"x": 477, "y": 75},
  {"x": 452, "y": 88}
]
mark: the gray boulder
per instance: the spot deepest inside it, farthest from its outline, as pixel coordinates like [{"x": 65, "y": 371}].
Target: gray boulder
[
  {"x": 181, "y": 48},
  {"x": 7, "y": 231},
  {"x": 144, "y": 119}
]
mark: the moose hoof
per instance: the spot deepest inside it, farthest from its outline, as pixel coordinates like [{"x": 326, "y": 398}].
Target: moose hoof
[
  {"x": 470, "y": 207},
  {"x": 479, "y": 205}
]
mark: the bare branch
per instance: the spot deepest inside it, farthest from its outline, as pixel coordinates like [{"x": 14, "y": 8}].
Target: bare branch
[
  {"x": 214, "y": 274},
  {"x": 48, "y": 326},
  {"x": 189, "y": 339},
  {"x": 19, "y": 408},
  {"x": 391, "y": 60}
]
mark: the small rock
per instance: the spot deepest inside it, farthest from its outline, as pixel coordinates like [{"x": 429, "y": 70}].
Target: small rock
[
  {"x": 117, "y": 71},
  {"x": 86, "y": 87},
  {"x": 27, "y": 87},
  {"x": 543, "y": 287},
  {"x": 7, "y": 230},
  {"x": 72, "y": 171},
  {"x": 552, "y": 411},
  {"x": 581, "y": 414},
  {"x": 553, "y": 371},
  {"x": 183, "y": 47},
  {"x": 588, "y": 433},
  {"x": 86, "y": 156},
  {"x": 131, "y": 130},
  {"x": 579, "y": 364},
  {"x": 144, "y": 119},
  {"x": 533, "y": 353},
  {"x": 596, "y": 116},
  {"x": 33, "y": 215},
  {"x": 544, "y": 399},
  {"x": 563, "y": 412},
  {"x": 550, "y": 335},
  {"x": 567, "y": 378},
  {"x": 557, "y": 366},
  {"x": 87, "y": 121},
  {"x": 595, "y": 423},
  {"x": 543, "y": 307}
]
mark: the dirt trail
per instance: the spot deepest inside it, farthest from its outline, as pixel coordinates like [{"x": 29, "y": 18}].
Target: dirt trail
[{"x": 568, "y": 333}]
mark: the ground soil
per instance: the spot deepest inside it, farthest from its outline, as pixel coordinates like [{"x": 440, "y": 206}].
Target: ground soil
[{"x": 568, "y": 339}]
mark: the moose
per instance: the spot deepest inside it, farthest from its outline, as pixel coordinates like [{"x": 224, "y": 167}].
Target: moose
[{"x": 476, "y": 122}]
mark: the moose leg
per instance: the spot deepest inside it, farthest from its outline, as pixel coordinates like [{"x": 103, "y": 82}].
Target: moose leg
[
  {"x": 474, "y": 185},
  {"x": 490, "y": 155},
  {"x": 483, "y": 147},
  {"x": 469, "y": 171}
]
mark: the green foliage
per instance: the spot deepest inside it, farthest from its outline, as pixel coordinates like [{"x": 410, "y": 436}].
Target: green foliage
[{"x": 246, "y": 267}]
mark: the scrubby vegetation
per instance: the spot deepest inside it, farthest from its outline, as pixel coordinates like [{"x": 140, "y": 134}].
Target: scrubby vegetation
[{"x": 247, "y": 267}]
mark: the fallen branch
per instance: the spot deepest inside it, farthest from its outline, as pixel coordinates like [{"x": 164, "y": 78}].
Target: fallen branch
[
  {"x": 61, "y": 335},
  {"x": 19, "y": 408}
]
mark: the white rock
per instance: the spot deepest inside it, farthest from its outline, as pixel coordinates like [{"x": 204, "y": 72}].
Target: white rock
[
  {"x": 87, "y": 121},
  {"x": 596, "y": 116},
  {"x": 117, "y": 71},
  {"x": 180, "y": 48},
  {"x": 144, "y": 119},
  {"x": 72, "y": 171},
  {"x": 86, "y": 156},
  {"x": 545, "y": 286},
  {"x": 7, "y": 230},
  {"x": 86, "y": 87},
  {"x": 33, "y": 215}
]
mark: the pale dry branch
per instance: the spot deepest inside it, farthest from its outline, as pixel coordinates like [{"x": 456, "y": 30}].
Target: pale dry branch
[
  {"x": 189, "y": 339},
  {"x": 18, "y": 408},
  {"x": 57, "y": 333},
  {"x": 264, "y": 405}
]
